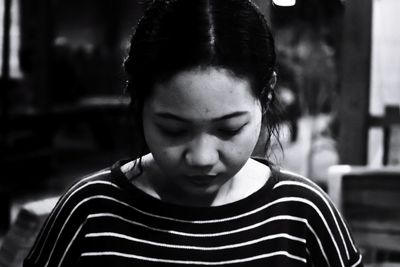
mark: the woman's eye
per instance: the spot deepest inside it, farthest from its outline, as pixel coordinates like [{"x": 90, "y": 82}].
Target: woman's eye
[
  {"x": 231, "y": 131},
  {"x": 172, "y": 132}
]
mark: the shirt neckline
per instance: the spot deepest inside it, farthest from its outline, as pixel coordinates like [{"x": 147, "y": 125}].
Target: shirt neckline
[{"x": 257, "y": 198}]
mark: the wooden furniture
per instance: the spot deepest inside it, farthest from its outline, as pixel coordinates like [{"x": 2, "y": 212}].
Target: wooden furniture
[
  {"x": 386, "y": 122},
  {"x": 369, "y": 199}
]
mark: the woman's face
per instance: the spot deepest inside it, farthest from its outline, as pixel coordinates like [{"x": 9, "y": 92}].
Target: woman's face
[{"x": 201, "y": 127}]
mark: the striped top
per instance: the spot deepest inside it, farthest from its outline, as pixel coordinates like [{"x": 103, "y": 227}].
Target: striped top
[{"x": 104, "y": 220}]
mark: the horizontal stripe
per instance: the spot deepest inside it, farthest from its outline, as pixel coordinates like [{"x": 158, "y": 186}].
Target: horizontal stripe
[
  {"x": 276, "y": 218},
  {"x": 183, "y": 262},
  {"x": 238, "y": 230},
  {"x": 316, "y": 228},
  {"x": 177, "y": 232},
  {"x": 247, "y": 243}
]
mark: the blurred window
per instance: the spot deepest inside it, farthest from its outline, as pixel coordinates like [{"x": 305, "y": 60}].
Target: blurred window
[{"x": 15, "y": 71}]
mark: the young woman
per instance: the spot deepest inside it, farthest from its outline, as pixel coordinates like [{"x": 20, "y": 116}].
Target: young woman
[{"x": 201, "y": 82}]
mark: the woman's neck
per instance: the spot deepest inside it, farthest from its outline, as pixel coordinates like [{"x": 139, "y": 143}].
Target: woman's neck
[{"x": 152, "y": 181}]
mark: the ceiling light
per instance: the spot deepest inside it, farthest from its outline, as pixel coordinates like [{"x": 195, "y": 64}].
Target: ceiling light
[{"x": 284, "y": 2}]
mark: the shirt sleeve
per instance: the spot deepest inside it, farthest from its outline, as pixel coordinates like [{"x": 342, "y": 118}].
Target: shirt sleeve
[
  {"x": 329, "y": 242},
  {"x": 57, "y": 243}
]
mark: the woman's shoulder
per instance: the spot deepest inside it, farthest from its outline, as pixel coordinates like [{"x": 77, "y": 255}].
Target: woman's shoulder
[
  {"x": 89, "y": 195},
  {"x": 88, "y": 181},
  {"x": 102, "y": 182},
  {"x": 300, "y": 189},
  {"x": 288, "y": 178},
  {"x": 305, "y": 198}
]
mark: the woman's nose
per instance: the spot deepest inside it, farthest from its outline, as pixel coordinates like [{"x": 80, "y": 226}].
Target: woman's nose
[{"x": 202, "y": 152}]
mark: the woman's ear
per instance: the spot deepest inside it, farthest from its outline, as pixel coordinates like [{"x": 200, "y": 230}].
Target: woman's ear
[
  {"x": 273, "y": 80},
  {"x": 271, "y": 88}
]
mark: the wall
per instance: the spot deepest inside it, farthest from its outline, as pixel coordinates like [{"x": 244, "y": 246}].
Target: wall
[{"x": 385, "y": 70}]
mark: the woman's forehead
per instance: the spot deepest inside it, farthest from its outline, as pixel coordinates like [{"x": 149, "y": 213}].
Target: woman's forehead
[{"x": 203, "y": 93}]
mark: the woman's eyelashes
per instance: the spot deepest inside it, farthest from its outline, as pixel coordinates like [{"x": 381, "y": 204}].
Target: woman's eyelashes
[
  {"x": 171, "y": 132},
  {"x": 231, "y": 131},
  {"x": 225, "y": 131}
]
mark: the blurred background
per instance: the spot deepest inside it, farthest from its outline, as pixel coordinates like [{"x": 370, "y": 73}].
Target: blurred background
[{"x": 64, "y": 114}]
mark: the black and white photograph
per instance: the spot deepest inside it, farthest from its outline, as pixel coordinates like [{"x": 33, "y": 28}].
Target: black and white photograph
[{"x": 227, "y": 133}]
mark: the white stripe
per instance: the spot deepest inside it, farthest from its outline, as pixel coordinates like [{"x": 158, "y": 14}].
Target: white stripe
[
  {"x": 281, "y": 217},
  {"x": 66, "y": 221},
  {"x": 169, "y": 231},
  {"x": 197, "y": 221},
  {"x": 203, "y": 221},
  {"x": 165, "y": 217},
  {"x": 358, "y": 262},
  {"x": 132, "y": 256},
  {"x": 306, "y": 201},
  {"x": 275, "y": 218},
  {"x": 296, "y": 175},
  {"x": 104, "y": 197},
  {"x": 70, "y": 243},
  {"x": 321, "y": 247},
  {"x": 326, "y": 203},
  {"x": 308, "y": 252},
  {"x": 251, "y": 242},
  {"x": 340, "y": 216},
  {"x": 63, "y": 202},
  {"x": 347, "y": 231}
]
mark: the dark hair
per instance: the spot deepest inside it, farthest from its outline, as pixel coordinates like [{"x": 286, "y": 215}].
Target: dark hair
[{"x": 178, "y": 35}]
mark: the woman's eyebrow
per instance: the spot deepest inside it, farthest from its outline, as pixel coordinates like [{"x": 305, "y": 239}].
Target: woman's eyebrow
[
  {"x": 171, "y": 116},
  {"x": 231, "y": 115}
]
